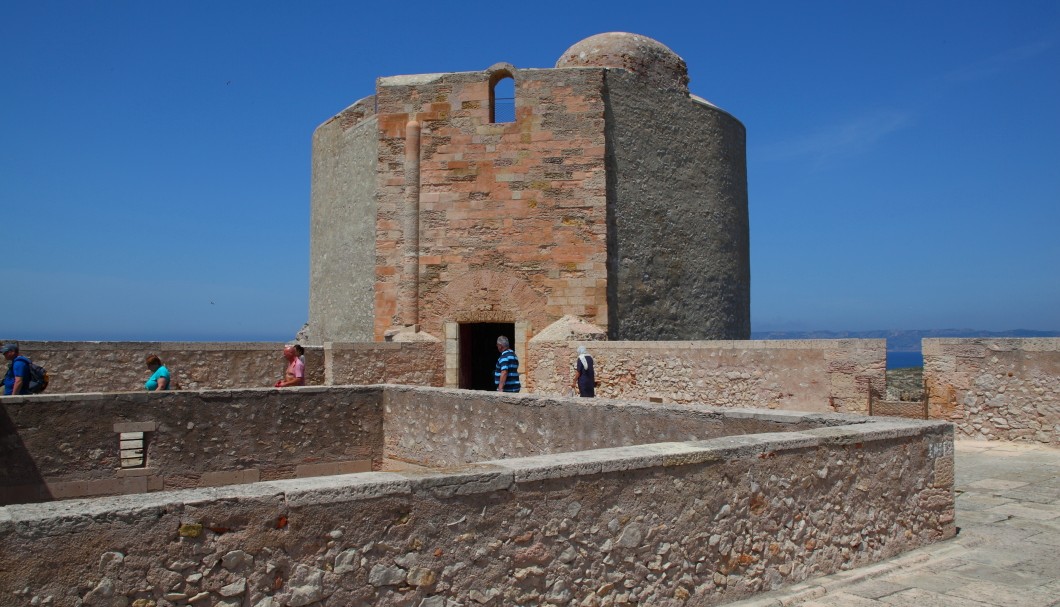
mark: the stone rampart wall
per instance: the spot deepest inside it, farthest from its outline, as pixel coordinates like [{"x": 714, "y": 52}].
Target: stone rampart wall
[
  {"x": 460, "y": 427},
  {"x": 60, "y": 446},
  {"x": 998, "y": 389},
  {"x": 411, "y": 363},
  {"x": 116, "y": 366},
  {"x": 805, "y": 375},
  {"x": 667, "y": 524},
  {"x": 79, "y": 367}
]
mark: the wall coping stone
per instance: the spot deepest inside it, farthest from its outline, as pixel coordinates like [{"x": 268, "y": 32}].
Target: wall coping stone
[
  {"x": 998, "y": 344},
  {"x": 341, "y": 488}
]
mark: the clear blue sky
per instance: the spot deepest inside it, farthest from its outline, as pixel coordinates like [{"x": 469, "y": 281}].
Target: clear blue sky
[{"x": 903, "y": 157}]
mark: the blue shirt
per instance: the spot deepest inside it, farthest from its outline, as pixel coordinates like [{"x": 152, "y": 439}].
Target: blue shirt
[
  {"x": 152, "y": 384},
  {"x": 508, "y": 362},
  {"x": 18, "y": 368}
]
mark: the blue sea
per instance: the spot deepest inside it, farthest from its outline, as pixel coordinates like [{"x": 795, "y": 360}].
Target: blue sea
[{"x": 901, "y": 360}]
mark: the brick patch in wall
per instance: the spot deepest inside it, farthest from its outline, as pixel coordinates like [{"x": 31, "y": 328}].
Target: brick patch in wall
[
  {"x": 230, "y": 477},
  {"x": 332, "y": 468},
  {"x": 110, "y": 486}
]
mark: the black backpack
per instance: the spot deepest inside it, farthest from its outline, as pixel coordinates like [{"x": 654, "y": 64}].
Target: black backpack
[{"x": 38, "y": 377}]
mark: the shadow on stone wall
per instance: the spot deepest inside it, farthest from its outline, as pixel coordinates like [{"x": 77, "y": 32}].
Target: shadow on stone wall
[{"x": 22, "y": 482}]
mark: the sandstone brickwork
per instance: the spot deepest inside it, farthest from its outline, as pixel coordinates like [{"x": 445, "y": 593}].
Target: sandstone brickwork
[
  {"x": 998, "y": 389},
  {"x": 671, "y": 523},
  {"x": 512, "y": 215},
  {"x": 806, "y": 375}
]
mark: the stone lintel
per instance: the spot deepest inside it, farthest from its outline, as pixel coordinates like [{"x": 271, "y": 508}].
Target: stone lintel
[{"x": 135, "y": 427}]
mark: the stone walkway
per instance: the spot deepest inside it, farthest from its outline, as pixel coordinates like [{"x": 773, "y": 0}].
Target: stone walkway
[{"x": 1007, "y": 553}]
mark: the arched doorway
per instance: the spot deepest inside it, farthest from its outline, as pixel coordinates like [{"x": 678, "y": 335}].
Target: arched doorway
[{"x": 478, "y": 352}]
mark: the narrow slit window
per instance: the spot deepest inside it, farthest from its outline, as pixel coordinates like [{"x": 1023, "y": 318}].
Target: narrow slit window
[
  {"x": 132, "y": 446},
  {"x": 502, "y": 100}
]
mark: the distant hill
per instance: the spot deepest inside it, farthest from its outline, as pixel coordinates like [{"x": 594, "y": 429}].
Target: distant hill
[{"x": 900, "y": 341}]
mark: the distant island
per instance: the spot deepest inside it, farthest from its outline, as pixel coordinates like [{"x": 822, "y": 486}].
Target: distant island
[{"x": 900, "y": 341}]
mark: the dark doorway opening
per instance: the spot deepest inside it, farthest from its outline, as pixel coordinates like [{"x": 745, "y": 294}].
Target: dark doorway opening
[{"x": 478, "y": 352}]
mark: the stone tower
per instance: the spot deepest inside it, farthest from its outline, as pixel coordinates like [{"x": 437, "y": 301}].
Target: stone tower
[{"x": 610, "y": 194}]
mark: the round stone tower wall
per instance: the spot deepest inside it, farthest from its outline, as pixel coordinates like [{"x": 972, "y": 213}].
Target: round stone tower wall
[{"x": 678, "y": 244}]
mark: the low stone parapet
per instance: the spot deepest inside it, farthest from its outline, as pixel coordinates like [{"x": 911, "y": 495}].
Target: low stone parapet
[
  {"x": 807, "y": 375},
  {"x": 80, "y": 367},
  {"x": 72, "y": 445},
  {"x": 115, "y": 366},
  {"x": 675, "y": 522}
]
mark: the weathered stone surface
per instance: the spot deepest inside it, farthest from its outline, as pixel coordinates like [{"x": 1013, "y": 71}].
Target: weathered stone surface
[
  {"x": 344, "y": 163},
  {"x": 799, "y": 375},
  {"x": 421, "y": 576},
  {"x": 236, "y": 588},
  {"x": 646, "y": 58},
  {"x": 236, "y": 560},
  {"x": 269, "y": 431},
  {"x": 78, "y": 367},
  {"x": 305, "y": 586},
  {"x": 382, "y": 575},
  {"x": 346, "y": 561},
  {"x": 997, "y": 389}
]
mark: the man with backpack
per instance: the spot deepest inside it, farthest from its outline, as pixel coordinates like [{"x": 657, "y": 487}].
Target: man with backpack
[{"x": 23, "y": 377}]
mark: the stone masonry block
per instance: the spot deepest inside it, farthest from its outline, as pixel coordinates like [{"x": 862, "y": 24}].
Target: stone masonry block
[
  {"x": 230, "y": 477},
  {"x": 332, "y": 468},
  {"x": 135, "y": 426},
  {"x": 943, "y": 471}
]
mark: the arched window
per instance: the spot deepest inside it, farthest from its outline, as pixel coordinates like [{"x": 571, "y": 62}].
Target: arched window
[{"x": 502, "y": 97}]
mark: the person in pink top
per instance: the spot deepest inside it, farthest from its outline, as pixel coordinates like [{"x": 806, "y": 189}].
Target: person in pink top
[{"x": 295, "y": 374}]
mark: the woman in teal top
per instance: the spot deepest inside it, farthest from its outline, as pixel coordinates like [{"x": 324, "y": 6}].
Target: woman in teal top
[{"x": 159, "y": 374}]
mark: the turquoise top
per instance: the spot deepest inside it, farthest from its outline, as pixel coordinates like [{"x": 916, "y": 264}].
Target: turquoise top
[{"x": 152, "y": 384}]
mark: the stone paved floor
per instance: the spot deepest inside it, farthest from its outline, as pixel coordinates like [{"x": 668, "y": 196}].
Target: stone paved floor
[{"x": 1007, "y": 553}]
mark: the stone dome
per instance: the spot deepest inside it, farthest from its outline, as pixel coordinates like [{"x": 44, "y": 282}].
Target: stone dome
[{"x": 645, "y": 57}]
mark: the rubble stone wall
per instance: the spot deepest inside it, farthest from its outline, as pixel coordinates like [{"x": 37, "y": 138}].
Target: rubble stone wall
[
  {"x": 116, "y": 366},
  {"x": 461, "y": 427},
  {"x": 805, "y": 375},
  {"x": 62, "y": 446},
  {"x": 998, "y": 389},
  {"x": 668, "y": 524},
  {"x": 80, "y": 367}
]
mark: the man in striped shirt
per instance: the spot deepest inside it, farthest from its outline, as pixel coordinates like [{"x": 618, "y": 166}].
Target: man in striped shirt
[{"x": 506, "y": 375}]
